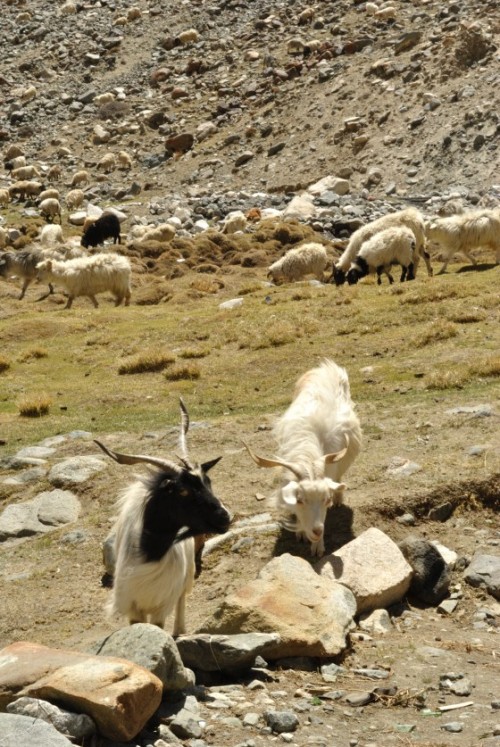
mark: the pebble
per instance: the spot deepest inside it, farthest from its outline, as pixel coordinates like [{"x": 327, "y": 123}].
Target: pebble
[{"x": 453, "y": 726}]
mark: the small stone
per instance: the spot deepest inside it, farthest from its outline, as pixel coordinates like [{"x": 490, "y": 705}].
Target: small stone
[
  {"x": 453, "y": 726},
  {"x": 281, "y": 722},
  {"x": 448, "y": 606},
  {"x": 358, "y": 699}
]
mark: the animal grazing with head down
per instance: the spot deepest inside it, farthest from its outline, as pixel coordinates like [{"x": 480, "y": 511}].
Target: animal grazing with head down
[
  {"x": 160, "y": 517},
  {"x": 464, "y": 232},
  {"x": 107, "y": 226},
  {"x": 319, "y": 437},
  {"x": 306, "y": 259},
  {"x": 392, "y": 246},
  {"x": 410, "y": 217}
]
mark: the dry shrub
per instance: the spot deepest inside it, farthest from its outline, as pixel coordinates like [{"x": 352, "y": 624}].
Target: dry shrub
[
  {"x": 185, "y": 247},
  {"x": 254, "y": 259},
  {"x": 33, "y": 354},
  {"x": 250, "y": 288},
  {"x": 439, "y": 330},
  {"x": 486, "y": 366},
  {"x": 206, "y": 267},
  {"x": 473, "y": 44},
  {"x": 182, "y": 371},
  {"x": 207, "y": 285},
  {"x": 154, "y": 291},
  {"x": 428, "y": 293},
  {"x": 149, "y": 248},
  {"x": 35, "y": 405},
  {"x": 4, "y": 364},
  {"x": 147, "y": 362},
  {"x": 276, "y": 334},
  {"x": 194, "y": 353},
  {"x": 466, "y": 316},
  {"x": 452, "y": 379}
]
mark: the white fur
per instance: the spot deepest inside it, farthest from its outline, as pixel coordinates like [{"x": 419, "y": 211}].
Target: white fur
[
  {"x": 51, "y": 234},
  {"x": 25, "y": 172},
  {"x": 88, "y": 276},
  {"x": 107, "y": 162},
  {"x": 233, "y": 222},
  {"x": 395, "y": 245},
  {"x": 3, "y": 237},
  {"x": 462, "y": 233},
  {"x": 74, "y": 198},
  {"x": 409, "y": 217},
  {"x": 302, "y": 260},
  {"x": 320, "y": 420},
  {"x": 154, "y": 589},
  {"x": 25, "y": 188},
  {"x": 189, "y": 36},
  {"x": 162, "y": 232},
  {"x": 4, "y": 197},
  {"x": 50, "y": 207},
  {"x": 79, "y": 178}
]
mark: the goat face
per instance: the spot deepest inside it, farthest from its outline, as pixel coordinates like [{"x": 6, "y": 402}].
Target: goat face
[{"x": 309, "y": 500}]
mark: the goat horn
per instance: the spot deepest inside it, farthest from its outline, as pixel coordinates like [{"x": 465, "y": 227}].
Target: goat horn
[
  {"x": 263, "y": 462},
  {"x": 184, "y": 430},
  {"x": 136, "y": 458}
]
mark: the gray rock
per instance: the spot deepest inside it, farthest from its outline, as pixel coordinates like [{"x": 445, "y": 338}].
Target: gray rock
[
  {"x": 477, "y": 411},
  {"x": 330, "y": 672},
  {"x": 74, "y": 725},
  {"x": 47, "y": 511},
  {"x": 23, "y": 731},
  {"x": 358, "y": 699},
  {"x": 185, "y": 725},
  {"x": 39, "y": 452},
  {"x": 484, "y": 571},
  {"x": 378, "y": 621},
  {"x": 23, "y": 478},
  {"x": 454, "y": 726},
  {"x": 441, "y": 512},
  {"x": 281, "y": 722},
  {"x": 152, "y": 648},
  {"x": 212, "y": 653},
  {"x": 431, "y": 581},
  {"x": 75, "y": 470}
]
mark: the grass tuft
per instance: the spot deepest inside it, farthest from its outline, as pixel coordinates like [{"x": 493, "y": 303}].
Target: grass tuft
[
  {"x": 4, "y": 364},
  {"x": 35, "y": 405},
  {"x": 194, "y": 353},
  {"x": 33, "y": 354},
  {"x": 467, "y": 316},
  {"x": 441, "y": 380},
  {"x": 147, "y": 362},
  {"x": 486, "y": 366},
  {"x": 437, "y": 331},
  {"x": 183, "y": 371}
]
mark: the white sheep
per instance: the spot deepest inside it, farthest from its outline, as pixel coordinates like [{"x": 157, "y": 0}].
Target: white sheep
[
  {"x": 410, "y": 217},
  {"x": 4, "y": 197},
  {"x": 388, "y": 13},
  {"x": 3, "y": 237},
  {"x": 391, "y": 246},
  {"x": 80, "y": 177},
  {"x": 107, "y": 163},
  {"x": 74, "y": 198},
  {"x": 51, "y": 192},
  {"x": 306, "y": 16},
  {"x": 50, "y": 208},
  {"x": 189, "y": 36},
  {"x": 25, "y": 172},
  {"x": 163, "y": 232},
  {"x": 28, "y": 94},
  {"x": 54, "y": 173},
  {"x": 88, "y": 276},
  {"x": 302, "y": 260},
  {"x": 124, "y": 160},
  {"x": 15, "y": 163},
  {"x": 234, "y": 221},
  {"x": 160, "y": 518},
  {"x": 51, "y": 234},
  {"x": 462, "y": 233},
  {"x": 25, "y": 188},
  {"x": 371, "y": 8},
  {"x": 104, "y": 98},
  {"x": 319, "y": 437}
]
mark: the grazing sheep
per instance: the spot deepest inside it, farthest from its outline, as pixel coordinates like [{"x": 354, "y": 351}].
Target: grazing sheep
[
  {"x": 234, "y": 221},
  {"x": 54, "y": 173},
  {"x": 319, "y": 437},
  {"x": 25, "y": 172},
  {"x": 105, "y": 227},
  {"x": 15, "y": 163},
  {"x": 409, "y": 217},
  {"x": 163, "y": 232},
  {"x": 51, "y": 234},
  {"x": 391, "y": 246},
  {"x": 306, "y": 16},
  {"x": 28, "y": 94},
  {"x": 124, "y": 160},
  {"x": 50, "y": 208},
  {"x": 25, "y": 188},
  {"x": 22, "y": 264},
  {"x": 371, "y": 8},
  {"x": 80, "y": 177},
  {"x": 107, "y": 163},
  {"x": 4, "y": 197},
  {"x": 302, "y": 260},
  {"x": 87, "y": 276},
  {"x": 51, "y": 192},
  {"x": 160, "y": 518},
  {"x": 462, "y": 233},
  {"x": 3, "y": 237},
  {"x": 74, "y": 198}
]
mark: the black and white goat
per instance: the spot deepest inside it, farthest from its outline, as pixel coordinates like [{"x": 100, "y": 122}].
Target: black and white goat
[
  {"x": 319, "y": 437},
  {"x": 160, "y": 516}
]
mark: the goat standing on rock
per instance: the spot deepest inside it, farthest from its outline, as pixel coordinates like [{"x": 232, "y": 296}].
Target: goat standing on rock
[
  {"x": 319, "y": 437},
  {"x": 160, "y": 517}
]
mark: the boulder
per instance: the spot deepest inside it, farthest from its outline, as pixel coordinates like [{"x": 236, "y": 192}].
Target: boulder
[
  {"x": 484, "y": 571},
  {"x": 372, "y": 567},
  {"x": 311, "y": 615},
  {"x": 431, "y": 581},
  {"x": 20, "y": 731},
  {"x": 213, "y": 653}
]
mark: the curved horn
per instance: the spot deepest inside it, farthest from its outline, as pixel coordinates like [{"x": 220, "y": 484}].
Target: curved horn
[
  {"x": 136, "y": 458},
  {"x": 263, "y": 462},
  {"x": 184, "y": 457},
  {"x": 337, "y": 456}
]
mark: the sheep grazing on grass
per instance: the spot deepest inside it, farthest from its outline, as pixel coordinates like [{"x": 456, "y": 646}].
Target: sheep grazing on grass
[
  {"x": 50, "y": 209},
  {"x": 306, "y": 259},
  {"x": 105, "y": 227},
  {"x": 74, "y": 198},
  {"x": 4, "y": 197},
  {"x": 124, "y": 160},
  {"x": 51, "y": 234},
  {"x": 80, "y": 177},
  {"x": 25, "y": 188},
  {"x": 319, "y": 437},
  {"x": 107, "y": 163},
  {"x": 465, "y": 232},
  {"x": 51, "y": 192},
  {"x": 392, "y": 246},
  {"x": 160, "y": 518},
  {"x": 409, "y": 217},
  {"x": 88, "y": 276},
  {"x": 189, "y": 36},
  {"x": 15, "y": 163},
  {"x": 54, "y": 173},
  {"x": 163, "y": 232},
  {"x": 25, "y": 172}
]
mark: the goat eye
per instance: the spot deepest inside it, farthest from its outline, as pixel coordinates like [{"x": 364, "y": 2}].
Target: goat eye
[{"x": 300, "y": 501}]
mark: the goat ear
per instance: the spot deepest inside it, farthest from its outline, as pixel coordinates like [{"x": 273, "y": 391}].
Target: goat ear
[
  {"x": 289, "y": 494},
  {"x": 336, "y": 486},
  {"x": 336, "y": 457},
  {"x": 206, "y": 466}
]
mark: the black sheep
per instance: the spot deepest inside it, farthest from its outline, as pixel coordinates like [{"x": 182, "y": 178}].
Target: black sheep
[{"x": 105, "y": 227}]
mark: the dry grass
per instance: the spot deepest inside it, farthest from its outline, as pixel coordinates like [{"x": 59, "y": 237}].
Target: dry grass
[
  {"x": 440, "y": 380},
  {"x": 35, "y": 405},
  {"x": 33, "y": 354},
  {"x": 486, "y": 366},
  {"x": 194, "y": 353},
  {"x": 437, "y": 331},
  {"x": 147, "y": 362},
  {"x": 180, "y": 371},
  {"x": 4, "y": 364}
]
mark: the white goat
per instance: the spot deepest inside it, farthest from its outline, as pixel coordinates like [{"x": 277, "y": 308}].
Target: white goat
[
  {"x": 87, "y": 276},
  {"x": 462, "y": 233},
  {"x": 160, "y": 517},
  {"x": 302, "y": 260},
  {"x": 392, "y": 246},
  {"x": 319, "y": 437},
  {"x": 409, "y": 217},
  {"x": 50, "y": 208},
  {"x": 51, "y": 234}
]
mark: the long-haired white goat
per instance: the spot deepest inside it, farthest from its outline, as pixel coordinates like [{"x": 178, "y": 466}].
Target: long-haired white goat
[
  {"x": 319, "y": 437},
  {"x": 160, "y": 518}
]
